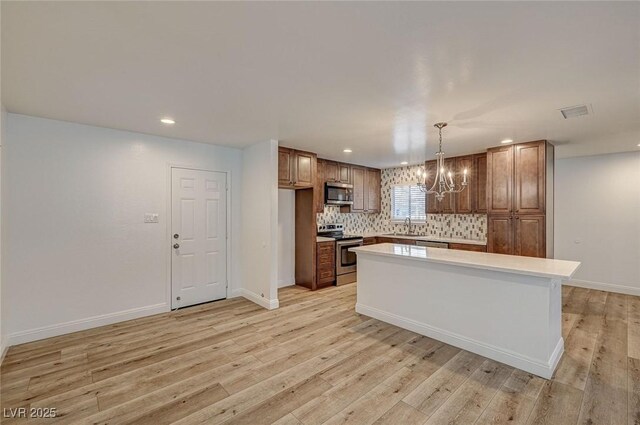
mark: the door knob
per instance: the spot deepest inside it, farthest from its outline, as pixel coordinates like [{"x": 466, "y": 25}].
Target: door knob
[
  {"x": 176, "y": 236},
  {"x": 176, "y": 245}
]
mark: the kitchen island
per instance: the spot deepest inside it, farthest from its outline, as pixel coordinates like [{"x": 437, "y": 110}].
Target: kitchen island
[{"x": 504, "y": 307}]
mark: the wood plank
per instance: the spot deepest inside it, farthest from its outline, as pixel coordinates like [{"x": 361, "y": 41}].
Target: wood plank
[
  {"x": 558, "y": 404},
  {"x": 633, "y": 409},
  {"x": 574, "y": 366},
  {"x": 468, "y": 402},
  {"x": 605, "y": 394},
  {"x": 435, "y": 390},
  {"x": 402, "y": 413}
]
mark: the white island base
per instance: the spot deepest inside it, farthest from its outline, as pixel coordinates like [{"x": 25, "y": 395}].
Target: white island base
[{"x": 502, "y": 307}]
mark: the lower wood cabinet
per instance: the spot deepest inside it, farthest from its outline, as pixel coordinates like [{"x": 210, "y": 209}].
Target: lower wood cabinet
[
  {"x": 468, "y": 247},
  {"x": 370, "y": 241},
  {"x": 382, "y": 239},
  {"x": 520, "y": 234},
  {"x": 325, "y": 264}
]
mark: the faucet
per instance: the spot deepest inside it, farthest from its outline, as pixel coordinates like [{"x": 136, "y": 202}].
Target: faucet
[{"x": 407, "y": 222}]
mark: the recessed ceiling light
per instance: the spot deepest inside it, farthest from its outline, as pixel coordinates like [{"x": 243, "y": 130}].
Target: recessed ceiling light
[
  {"x": 347, "y": 150},
  {"x": 505, "y": 141},
  {"x": 639, "y": 145},
  {"x": 167, "y": 121},
  {"x": 404, "y": 163}
]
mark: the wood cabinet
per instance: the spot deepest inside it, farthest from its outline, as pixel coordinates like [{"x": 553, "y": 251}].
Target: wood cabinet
[
  {"x": 296, "y": 169},
  {"x": 464, "y": 201},
  {"x": 359, "y": 189},
  {"x": 344, "y": 173},
  {"x": 520, "y": 199},
  {"x": 472, "y": 200},
  {"x": 369, "y": 241},
  {"x": 384, "y": 239},
  {"x": 530, "y": 235},
  {"x": 325, "y": 264},
  {"x": 479, "y": 183},
  {"x": 318, "y": 194},
  {"x": 468, "y": 247},
  {"x": 373, "y": 188}
]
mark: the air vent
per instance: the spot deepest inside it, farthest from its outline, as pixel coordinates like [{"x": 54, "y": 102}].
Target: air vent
[{"x": 574, "y": 111}]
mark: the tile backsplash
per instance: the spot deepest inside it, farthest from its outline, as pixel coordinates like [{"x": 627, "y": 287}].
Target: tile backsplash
[{"x": 464, "y": 226}]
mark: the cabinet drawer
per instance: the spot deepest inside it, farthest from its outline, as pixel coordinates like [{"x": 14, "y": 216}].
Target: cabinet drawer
[
  {"x": 468, "y": 247},
  {"x": 369, "y": 241}
]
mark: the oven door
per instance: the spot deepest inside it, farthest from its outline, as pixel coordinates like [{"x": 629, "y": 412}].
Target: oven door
[{"x": 346, "y": 261}]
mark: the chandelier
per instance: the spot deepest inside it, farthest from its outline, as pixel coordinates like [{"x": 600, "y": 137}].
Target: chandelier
[{"x": 443, "y": 182}]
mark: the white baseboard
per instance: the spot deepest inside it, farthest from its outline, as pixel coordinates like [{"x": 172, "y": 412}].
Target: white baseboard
[
  {"x": 285, "y": 283},
  {"x": 83, "y": 324},
  {"x": 263, "y": 302},
  {"x": 601, "y": 286},
  {"x": 528, "y": 364}
]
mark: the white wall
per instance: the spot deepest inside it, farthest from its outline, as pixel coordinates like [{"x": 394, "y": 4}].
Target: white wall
[
  {"x": 597, "y": 219},
  {"x": 260, "y": 223},
  {"x": 3, "y": 333},
  {"x": 286, "y": 237},
  {"x": 73, "y": 202}
]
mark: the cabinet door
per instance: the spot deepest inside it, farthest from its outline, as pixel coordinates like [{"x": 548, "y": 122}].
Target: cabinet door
[
  {"x": 304, "y": 169},
  {"x": 529, "y": 172},
  {"x": 330, "y": 171},
  {"x": 344, "y": 173},
  {"x": 285, "y": 174},
  {"x": 449, "y": 201},
  {"x": 432, "y": 204},
  {"x": 373, "y": 186},
  {"x": 480, "y": 184},
  {"x": 358, "y": 176},
  {"x": 500, "y": 180},
  {"x": 530, "y": 236},
  {"x": 464, "y": 199},
  {"x": 500, "y": 235},
  {"x": 318, "y": 191}
]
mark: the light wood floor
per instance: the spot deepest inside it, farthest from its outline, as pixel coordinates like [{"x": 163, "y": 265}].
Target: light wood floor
[{"x": 315, "y": 361}]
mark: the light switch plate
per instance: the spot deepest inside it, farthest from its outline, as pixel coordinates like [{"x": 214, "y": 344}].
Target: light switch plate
[{"x": 151, "y": 217}]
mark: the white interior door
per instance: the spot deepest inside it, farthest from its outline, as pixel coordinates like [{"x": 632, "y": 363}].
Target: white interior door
[{"x": 198, "y": 236}]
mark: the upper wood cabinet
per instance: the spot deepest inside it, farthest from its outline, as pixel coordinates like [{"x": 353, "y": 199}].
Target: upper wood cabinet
[
  {"x": 529, "y": 178},
  {"x": 296, "y": 169},
  {"x": 344, "y": 173},
  {"x": 472, "y": 200},
  {"x": 480, "y": 183},
  {"x": 465, "y": 199},
  {"x": 319, "y": 189},
  {"x": 359, "y": 189},
  {"x": 500, "y": 180},
  {"x": 373, "y": 184},
  {"x": 330, "y": 171}
]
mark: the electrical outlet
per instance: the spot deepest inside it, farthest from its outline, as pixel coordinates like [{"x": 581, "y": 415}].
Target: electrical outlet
[{"x": 151, "y": 217}]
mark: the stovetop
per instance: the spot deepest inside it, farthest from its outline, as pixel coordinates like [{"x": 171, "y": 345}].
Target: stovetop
[{"x": 336, "y": 231}]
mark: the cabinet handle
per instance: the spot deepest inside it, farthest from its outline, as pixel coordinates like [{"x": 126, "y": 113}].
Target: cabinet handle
[{"x": 517, "y": 218}]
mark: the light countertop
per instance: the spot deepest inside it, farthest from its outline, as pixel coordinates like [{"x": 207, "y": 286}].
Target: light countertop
[
  {"x": 324, "y": 239},
  {"x": 541, "y": 267},
  {"x": 428, "y": 238}
]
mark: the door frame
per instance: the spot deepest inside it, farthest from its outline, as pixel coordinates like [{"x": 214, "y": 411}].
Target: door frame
[{"x": 169, "y": 235}]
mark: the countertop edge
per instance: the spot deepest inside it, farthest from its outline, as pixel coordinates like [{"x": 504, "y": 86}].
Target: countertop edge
[{"x": 502, "y": 269}]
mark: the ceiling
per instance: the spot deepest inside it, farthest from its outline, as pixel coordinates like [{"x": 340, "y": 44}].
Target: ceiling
[{"x": 325, "y": 76}]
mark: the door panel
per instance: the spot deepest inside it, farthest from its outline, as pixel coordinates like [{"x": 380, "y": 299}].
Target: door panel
[
  {"x": 373, "y": 188},
  {"x": 330, "y": 171},
  {"x": 500, "y": 235},
  {"x": 199, "y": 218},
  {"x": 304, "y": 169},
  {"x": 464, "y": 199},
  {"x": 344, "y": 173},
  {"x": 357, "y": 174},
  {"x": 433, "y": 205},
  {"x": 480, "y": 184},
  {"x": 530, "y": 236},
  {"x": 285, "y": 175},
  {"x": 500, "y": 177},
  {"x": 529, "y": 173}
]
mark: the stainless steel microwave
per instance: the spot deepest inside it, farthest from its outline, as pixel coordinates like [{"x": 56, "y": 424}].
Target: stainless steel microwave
[{"x": 338, "y": 193}]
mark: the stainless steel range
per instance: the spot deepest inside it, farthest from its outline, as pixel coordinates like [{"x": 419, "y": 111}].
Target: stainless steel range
[{"x": 346, "y": 261}]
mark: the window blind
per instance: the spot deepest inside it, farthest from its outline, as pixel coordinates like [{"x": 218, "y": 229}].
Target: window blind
[{"x": 407, "y": 201}]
